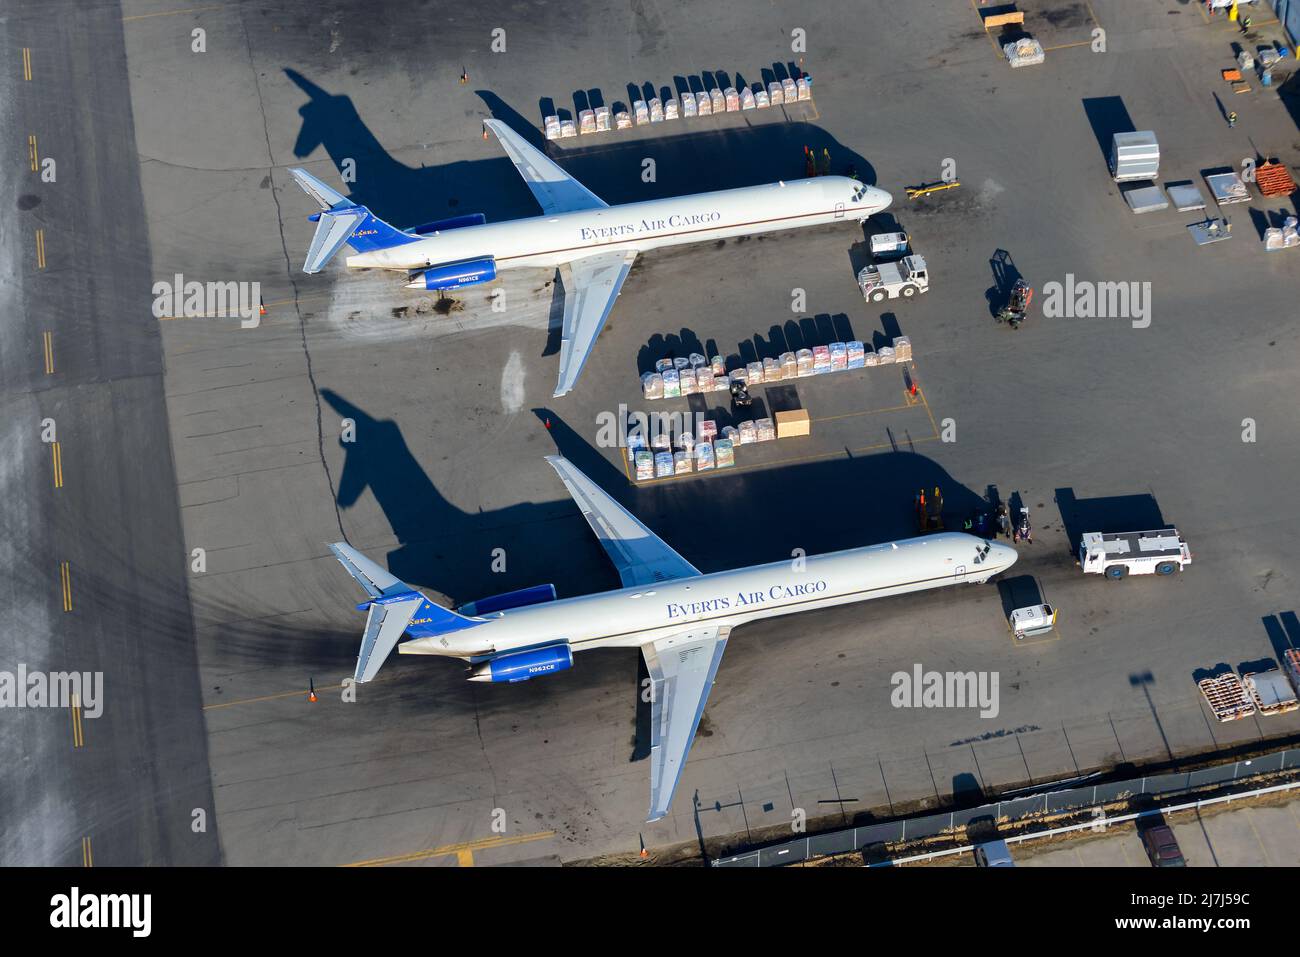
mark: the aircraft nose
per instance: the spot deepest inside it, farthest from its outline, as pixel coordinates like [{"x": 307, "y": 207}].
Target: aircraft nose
[
  {"x": 1006, "y": 555},
  {"x": 883, "y": 199}
]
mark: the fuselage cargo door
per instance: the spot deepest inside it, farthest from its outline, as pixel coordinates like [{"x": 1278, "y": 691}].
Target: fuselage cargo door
[
  {"x": 839, "y": 210},
  {"x": 960, "y": 574}
]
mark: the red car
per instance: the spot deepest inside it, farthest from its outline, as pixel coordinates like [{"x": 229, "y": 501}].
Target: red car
[{"x": 1162, "y": 847}]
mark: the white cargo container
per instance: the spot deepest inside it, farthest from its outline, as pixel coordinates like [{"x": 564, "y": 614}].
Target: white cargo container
[
  {"x": 1134, "y": 157},
  {"x": 1159, "y": 552}
]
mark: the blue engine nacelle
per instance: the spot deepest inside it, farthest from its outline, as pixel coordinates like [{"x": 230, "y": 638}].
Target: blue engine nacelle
[
  {"x": 456, "y": 222},
  {"x": 523, "y": 665},
  {"x": 511, "y": 599},
  {"x": 467, "y": 272}
]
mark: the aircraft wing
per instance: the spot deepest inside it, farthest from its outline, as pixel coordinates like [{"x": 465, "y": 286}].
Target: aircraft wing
[
  {"x": 596, "y": 281},
  {"x": 640, "y": 556},
  {"x": 682, "y": 669},
  {"x": 555, "y": 190}
]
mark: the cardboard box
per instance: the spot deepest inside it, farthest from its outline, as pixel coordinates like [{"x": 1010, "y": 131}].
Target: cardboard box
[{"x": 796, "y": 422}]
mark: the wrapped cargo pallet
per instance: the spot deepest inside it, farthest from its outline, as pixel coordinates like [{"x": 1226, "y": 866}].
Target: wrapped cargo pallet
[
  {"x": 724, "y": 453},
  {"x": 586, "y": 121},
  {"x": 762, "y": 100},
  {"x": 754, "y": 373},
  {"x": 804, "y": 86},
  {"x": 697, "y": 360},
  {"x": 663, "y": 464},
  {"x": 670, "y": 108},
  {"x": 839, "y": 356},
  {"x": 789, "y": 366},
  {"x": 686, "y": 442},
  {"x": 733, "y": 99},
  {"x": 821, "y": 359},
  {"x": 687, "y": 379},
  {"x": 645, "y": 465},
  {"x": 688, "y": 105},
  {"x": 652, "y": 384},
  {"x": 552, "y": 124},
  {"x": 870, "y": 358},
  {"x": 902, "y": 349},
  {"x": 771, "y": 370},
  {"x": 708, "y": 430},
  {"x": 568, "y": 128},
  {"x": 681, "y": 362},
  {"x": 703, "y": 456},
  {"x": 672, "y": 384},
  {"x": 775, "y": 94},
  {"x": 747, "y": 99},
  {"x": 663, "y": 365},
  {"x": 748, "y": 433},
  {"x": 641, "y": 113},
  {"x": 857, "y": 354},
  {"x": 764, "y": 429},
  {"x": 719, "y": 365},
  {"x": 789, "y": 91},
  {"x": 804, "y": 358},
  {"x": 718, "y": 101},
  {"x": 635, "y": 440},
  {"x": 602, "y": 119},
  {"x": 722, "y": 383},
  {"x": 622, "y": 121},
  {"x": 656, "y": 110},
  {"x": 703, "y": 103},
  {"x": 661, "y": 442},
  {"x": 682, "y": 463},
  {"x": 884, "y": 356},
  {"x": 730, "y": 433},
  {"x": 704, "y": 380},
  {"x": 740, "y": 375}
]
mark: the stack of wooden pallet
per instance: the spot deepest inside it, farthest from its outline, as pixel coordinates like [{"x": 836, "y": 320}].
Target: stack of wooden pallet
[{"x": 1226, "y": 697}]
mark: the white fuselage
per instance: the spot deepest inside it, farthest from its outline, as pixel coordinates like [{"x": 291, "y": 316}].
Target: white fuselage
[
  {"x": 548, "y": 241},
  {"x": 630, "y": 617}
]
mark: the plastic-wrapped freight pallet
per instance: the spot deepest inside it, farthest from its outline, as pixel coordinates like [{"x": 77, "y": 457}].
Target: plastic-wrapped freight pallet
[
  {"x": 656, "y": 110},
  {"x": 708, "y": 430},
  {"x": 663, "y": 464},
  {"x": 722, "y": 383},
  {"x": 857, "y": 354},
  {"x": 652, "y": 384},
  {"x": 703, "y": 103},
  {"x": 764, "y": 430},
  {"x": 641, "y": 112},
  {"x": 771, "y": 370},
  {"x": 671, "y": 111},
  {"x": 754, "y": 373},
  {"x": 724, "y": 453},
  {"x": 839, "y": 356},
  {"x": 688, "y": 105},
  {"x": 552, "y": 125},
  {"x": 682, "y": 463},
  {"x": 789, "y": 91},
  {"x": 789, "y": 366},
  {"x": 645, "y": 465},
  {"x": 686, "y": 442},
  {"x": 775, "y": 94},
  {"x": 748, "y": 433},
  {"x": 719, "y": 365},
  {"x": 804, "y": 86},
  {"x": 730, "y": 433},
  {"x": 704, "y": 380},
  {"x": 718, "y": 101},
  {"x": 622, "y": 121},
  {"x": 732, "y": 98},
  {"x": 703, "y": 456},
  {"x": 603, "y": 119},
  {"x": 902, "y": 349},
  {"x": 568, "y": 128},
  {"x": 747, "y": 99},
  {"x": 696, "y": 360},
  {"x": 821, "y": 359},
  {"x": 885, "y": 356},
  {"x": 804, "y": 358},
  {"x": 687, "y": 379},
  {"x": 586, "y": 121},
  {"x": 762, "y": 100},
  {"x": 672, "y": 384},
  {"x": 1024, "y": 52}
]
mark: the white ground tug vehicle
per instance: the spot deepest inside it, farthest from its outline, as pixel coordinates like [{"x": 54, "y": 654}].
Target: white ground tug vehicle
[
  {"x": 1032, "y": 621},
  {"x": 1115, "y": 555},
  {"x": 904, "y": 278}
]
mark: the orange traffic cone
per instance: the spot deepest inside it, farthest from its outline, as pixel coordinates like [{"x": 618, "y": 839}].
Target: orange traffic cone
[{"x": 311, "y": 691}]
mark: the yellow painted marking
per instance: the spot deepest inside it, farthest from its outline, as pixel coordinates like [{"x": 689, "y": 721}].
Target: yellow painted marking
[
  {"x": 464, "y": 858},
  {"x": 169, "y": 13},
  {"x": 1066, "y": 46},
  {"x": 78, "y": 733},
  {"x": 32, "y": 153},
  {"x": 57, "y": 454},
  {"x": 47, "y": 339},
  {"x": 87, "y": 855},
  {"x": 27, "y": 63},
  {"x": 65, "y": 580},
  {"x": 40, "y": 249},
  {"x": 466, "y": 847}
]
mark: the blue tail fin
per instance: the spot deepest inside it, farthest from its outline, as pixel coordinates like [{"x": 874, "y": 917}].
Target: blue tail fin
[{"x": 341, "y": 221}]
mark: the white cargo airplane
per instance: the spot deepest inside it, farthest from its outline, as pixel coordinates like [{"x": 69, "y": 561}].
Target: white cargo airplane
[
  {"x": 596, "y": 242},
  {"x": 678, "y": 617}
]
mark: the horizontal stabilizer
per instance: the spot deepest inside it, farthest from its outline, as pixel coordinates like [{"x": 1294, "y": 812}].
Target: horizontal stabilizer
[
  {"x": 325, "y": 197},
  {"x": 334, "y": 228},
  {"x": 373, "y": 577},
  {"x": 385, "y": 625}
]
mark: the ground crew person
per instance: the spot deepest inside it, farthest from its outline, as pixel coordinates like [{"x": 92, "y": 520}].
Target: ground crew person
[
  {"x": 1232, "y": 119},
  {"x": 824, "y": 167},
  {"x": 809, "y": 166}
]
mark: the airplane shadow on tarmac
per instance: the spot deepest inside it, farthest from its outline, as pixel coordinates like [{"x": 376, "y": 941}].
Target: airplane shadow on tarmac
[
  {"x": 701, "y": 160},
  {"x": 717, "y": 522}
]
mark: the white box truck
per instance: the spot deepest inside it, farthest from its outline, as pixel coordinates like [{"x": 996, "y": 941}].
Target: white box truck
[
  {"x": 1134, "y": 157},
  {"x": 1117, "y": 554}
]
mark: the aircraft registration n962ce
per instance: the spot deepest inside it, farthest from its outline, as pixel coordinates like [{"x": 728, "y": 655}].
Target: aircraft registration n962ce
[
  {"x": 678, "y": 617},
  {"x": 593, "y": 243}
]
